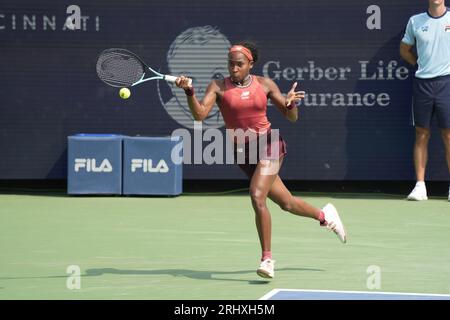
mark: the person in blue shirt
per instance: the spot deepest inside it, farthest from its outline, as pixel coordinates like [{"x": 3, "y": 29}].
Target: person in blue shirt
[{"x": 429, "y": 33}]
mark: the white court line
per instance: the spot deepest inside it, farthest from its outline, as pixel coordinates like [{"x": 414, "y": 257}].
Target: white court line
[
  {"x": 270, "y": 294},
  {"x": 275, "y": 291}
]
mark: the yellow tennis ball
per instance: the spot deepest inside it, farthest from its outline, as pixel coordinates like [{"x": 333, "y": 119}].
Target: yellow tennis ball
[{"x": 124, "y": 93}]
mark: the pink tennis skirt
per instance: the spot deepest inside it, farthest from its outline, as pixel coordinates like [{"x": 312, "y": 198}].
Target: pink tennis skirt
[{"x": 271, "y": 150}]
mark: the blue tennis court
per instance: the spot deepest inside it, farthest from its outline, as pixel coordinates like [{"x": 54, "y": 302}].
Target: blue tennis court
[{"x": 291, "y": 294}]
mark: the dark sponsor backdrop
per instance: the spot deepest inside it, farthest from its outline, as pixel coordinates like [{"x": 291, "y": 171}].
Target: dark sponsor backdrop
[{"x": 49, "y": 88}]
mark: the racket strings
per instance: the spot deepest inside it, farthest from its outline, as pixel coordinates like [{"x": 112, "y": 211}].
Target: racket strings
[{"x": 118, "y": 69}]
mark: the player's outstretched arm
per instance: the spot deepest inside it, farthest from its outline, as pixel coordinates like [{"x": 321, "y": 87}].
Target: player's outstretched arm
[{"x": 199, "y": 110}]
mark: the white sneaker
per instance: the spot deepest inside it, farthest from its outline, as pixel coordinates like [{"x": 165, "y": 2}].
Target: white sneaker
[
  {"x": 333, "y": 222},
  {"x": 418, "y": 194},
  {"x": 266, "y": 269}
]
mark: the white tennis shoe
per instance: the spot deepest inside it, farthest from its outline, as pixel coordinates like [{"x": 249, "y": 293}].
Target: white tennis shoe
[
  {"x": 333, "y": 222},
  {"x": 266, "y": 269},
  {"x": 419, "y": 193}
]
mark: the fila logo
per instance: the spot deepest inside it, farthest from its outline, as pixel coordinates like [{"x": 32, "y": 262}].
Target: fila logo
[
  {"x": 90, "y": 165},
  {"x": 245, "y": 95},
  {"x": 147, "y": 166}
]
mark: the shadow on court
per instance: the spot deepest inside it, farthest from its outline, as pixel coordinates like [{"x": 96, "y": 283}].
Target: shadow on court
[{"x": 192, "y": 274}]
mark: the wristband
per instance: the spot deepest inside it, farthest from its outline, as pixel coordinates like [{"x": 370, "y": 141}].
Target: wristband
[
  {"x": 291, "y": 105},
  {"x": 189, "y": 92}
]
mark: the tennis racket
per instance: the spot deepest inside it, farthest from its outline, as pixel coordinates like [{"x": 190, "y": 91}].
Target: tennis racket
[{"x": 122, "y": 68}]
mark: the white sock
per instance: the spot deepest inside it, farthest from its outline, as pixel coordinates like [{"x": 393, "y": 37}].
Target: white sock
[{"x": 420, "y": 184}]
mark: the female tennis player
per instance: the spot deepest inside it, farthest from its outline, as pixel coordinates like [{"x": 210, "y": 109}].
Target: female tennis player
[{"x": 242, "y": 99}]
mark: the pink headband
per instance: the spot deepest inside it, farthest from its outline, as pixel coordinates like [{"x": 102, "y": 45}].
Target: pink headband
[{"x": 242, "y": 50}]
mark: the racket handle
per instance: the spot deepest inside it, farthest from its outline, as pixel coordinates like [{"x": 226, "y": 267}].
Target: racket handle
[
  {"x": 173, "y": 79},
  {"x": 170, "y": 78}
]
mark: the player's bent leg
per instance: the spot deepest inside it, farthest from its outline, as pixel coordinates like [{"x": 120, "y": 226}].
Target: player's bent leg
[
  {"x": 331, "y": 220},
  {"x": 286, "y": 201}
]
